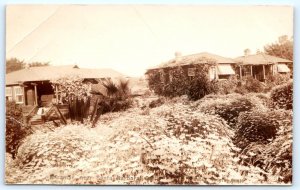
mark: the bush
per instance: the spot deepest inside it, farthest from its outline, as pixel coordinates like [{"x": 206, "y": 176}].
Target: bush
[
  {"x": 228, "y": 107},
  {"x": 274, "y": 80},
  {"x": 200, "y": 86},
  {"x": 15, "y": 130},
  {"x": 262, "y": 99},
  {"x": 59, "y": 148},
  {"x": 275, "y": 157},
  {"x": 258, "y": 126},
  {"x": 252, "y": 85},
  {"x": 194, "y": 148},
  {"x": 154, "y": 83},
  {"x": 195, "y": 87},
  {"x": 227, "y": 86},
  {"x": 282, "y": 96},
  {"x": 156, "y": 103}
]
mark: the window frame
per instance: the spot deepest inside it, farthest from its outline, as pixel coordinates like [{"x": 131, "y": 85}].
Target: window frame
[
  {"x": 9, "y": 96},
  {"x": 18, "y": 91},
  {"x": 191, "y": 72}
]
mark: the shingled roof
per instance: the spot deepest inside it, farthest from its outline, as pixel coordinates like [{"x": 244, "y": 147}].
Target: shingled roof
[
  {"x": 260, "y": 59},
  {"x": 53, "y": 72},
  {"x": 198, "y": 58}
]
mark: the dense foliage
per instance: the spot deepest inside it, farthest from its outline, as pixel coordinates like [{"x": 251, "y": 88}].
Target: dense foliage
[
  {"x": 226, "y": 86},
  {"x": 71, "y": 87},
  {"x": 256, "y": 126},
  {"x": 282, "y": 96},
  {"x": 15, "y": 130},
  {"x": 200, "y": 86},
  {"x": 118, "y": 95},
  {"x": 195, "y": 87},
  {"x": 76, "y": 93},
  {"x": 282, "y": 48},
  {"x": 14, "y": 64},
  {"x": 229, "y": 107},
  {"x": 219, "y": 139},
  {"x": 252, "y": 85},
  {"x": 276, "y": 156},
  {"x": 172, "y": 144},
  {"x": 277, "y": 79}
]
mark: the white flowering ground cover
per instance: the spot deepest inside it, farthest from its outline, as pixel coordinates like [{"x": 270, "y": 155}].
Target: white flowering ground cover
[{"x": 170, "y": 144}]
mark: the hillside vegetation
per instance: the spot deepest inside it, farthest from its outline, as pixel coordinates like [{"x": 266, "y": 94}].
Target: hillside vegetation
[{"x": 219, "y": 139}]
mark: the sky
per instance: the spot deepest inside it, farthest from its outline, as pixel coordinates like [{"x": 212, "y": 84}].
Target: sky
[{"x": 132, "y": 38}]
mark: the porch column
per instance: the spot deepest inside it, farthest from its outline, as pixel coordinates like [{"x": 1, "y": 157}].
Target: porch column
[
  {"x": 35, "y": 94},
  {"x": 264, "y": 72},
  {"x": 275, "y": 68},
  {"x": 56, "y": 93},
  {"x": 251, "y": 71},
  {"x": 217, "y": 73},
  {"x": 240, "y": 72},
  {"x": 24, "y": 98}
]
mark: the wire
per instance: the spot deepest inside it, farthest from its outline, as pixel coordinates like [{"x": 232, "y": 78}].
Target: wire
[
  {"x": 36, "y": 28},
  {"x": 146, "y": 24}
]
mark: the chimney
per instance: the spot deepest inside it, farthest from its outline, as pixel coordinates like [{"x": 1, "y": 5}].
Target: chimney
[
  {"x": 178, "y": 56},
  {"x": 247, "y": 52}
]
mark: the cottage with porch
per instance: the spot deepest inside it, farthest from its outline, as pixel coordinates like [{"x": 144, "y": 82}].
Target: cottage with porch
[
  {"x": 219, "y": 67},
  {"x": 32, "y": 87},
  {"x": 261, "y": 65}
]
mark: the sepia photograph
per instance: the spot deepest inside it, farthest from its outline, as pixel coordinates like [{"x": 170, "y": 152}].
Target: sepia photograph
[{"x": 149, "y": 94}]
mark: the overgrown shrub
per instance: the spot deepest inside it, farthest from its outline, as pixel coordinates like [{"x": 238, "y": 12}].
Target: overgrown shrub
[
  {"x": 258, "y": 126},
  {"x": 277, "y": 79},
  {"x": 261, "y": 98},
  {"x": 275, "y": 157},
  {"x": 156, "y": 103},
  {"x": 71, "y": 86},
  {"x": 117, "y": 99},
  {"x": 15, "y": 130},
  {"x": 194, "y": 148},
  {"x": 59, "y": 148},
  {"x": 200, "y": 86},
  {"x": 195, "y": 87},
  {"x": 226, "y": 86},
  {"x": 178, "y": 85},
  {"x": 118, "y": 95},
  {"x": 154, "y": 82},
  {"x": 252, "y": 85},
  {"x": 229, "y": 107},
  {"x": 282, "y": 96}
]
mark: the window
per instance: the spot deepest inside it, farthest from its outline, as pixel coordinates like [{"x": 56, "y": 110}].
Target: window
[
  {"x": 18, "y": 94},
  {"x": 282, "y": 68},
  {"x": 212, "y": 73},
  {"x": 225, "y": 69},
  {"x": 8, "y": 93},
  {"x": 191, "y": 72}
]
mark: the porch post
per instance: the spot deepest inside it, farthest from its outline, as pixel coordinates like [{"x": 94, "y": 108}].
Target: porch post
[
  {"x": 35, "y": 94},
  {"x": 264, "y": 72},
  {"x": 240, "y": 72},
  {"x": 251, "y": 71},
  {"x": 56, "y": 94},
  {"x": 24, "y": 98},
  {"x": 217, "y": 73}
]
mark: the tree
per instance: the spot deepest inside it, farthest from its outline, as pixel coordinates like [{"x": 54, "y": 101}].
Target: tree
[
  {"x": 14, "y": 64},
  {"x": 282, "y": 48},
  {"x": 38, "y": 64}
]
